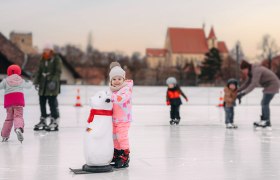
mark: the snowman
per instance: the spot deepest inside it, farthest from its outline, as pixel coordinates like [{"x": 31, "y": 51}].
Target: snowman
[{"x": 98, "y": 138}]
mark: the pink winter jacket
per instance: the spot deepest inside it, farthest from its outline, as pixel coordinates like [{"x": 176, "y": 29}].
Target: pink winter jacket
[
  {"x": 122, "y": 103},
  {"x": 13, "y": 86}
]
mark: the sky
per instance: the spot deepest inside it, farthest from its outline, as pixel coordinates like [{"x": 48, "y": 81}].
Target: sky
[{"x": 133, "y": 25}]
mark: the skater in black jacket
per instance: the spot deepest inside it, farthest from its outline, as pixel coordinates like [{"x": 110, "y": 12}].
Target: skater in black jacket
[{"x": 173, "y": 99}]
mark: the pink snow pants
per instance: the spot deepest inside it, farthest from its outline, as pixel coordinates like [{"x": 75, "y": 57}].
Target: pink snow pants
[
  {"x": 120, "y": 135},
  {"x": 14, "y": 116}
]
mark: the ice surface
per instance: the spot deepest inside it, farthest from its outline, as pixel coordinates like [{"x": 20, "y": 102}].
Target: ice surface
[{"x": 199, "y": 148}]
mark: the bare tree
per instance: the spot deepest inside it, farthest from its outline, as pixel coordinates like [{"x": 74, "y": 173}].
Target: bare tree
[
  {"x": 269, "y": 49},
  {"x": 237, "y": 54}
]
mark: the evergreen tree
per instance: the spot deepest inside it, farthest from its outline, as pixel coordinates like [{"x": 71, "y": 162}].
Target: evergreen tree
[
  {"x": 191, "y": 77},
  {"x": 211, "y": 66}
]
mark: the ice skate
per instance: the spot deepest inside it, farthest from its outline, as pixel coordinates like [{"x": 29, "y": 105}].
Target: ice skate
[
  {"x": 53, "y": 126},
  {"x": 5, "y": 139},
  {"x": 177, "y": 121},
  {"x": 19, "y": 132},
  {"x": 123, "y": 160},
  {"x": 41, "y": 125},
  {"x": 172, "y": 122},
  {"x": 231, "y": 126},
  {"x": 262, "y": 125}
]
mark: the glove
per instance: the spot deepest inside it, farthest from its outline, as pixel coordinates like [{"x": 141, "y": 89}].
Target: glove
[
  {"x": 45, "y": 74},
  {"x": 167, "y": 103},
  {"x": 37, "y": 87},
  {"x": 239, "y": 96}
]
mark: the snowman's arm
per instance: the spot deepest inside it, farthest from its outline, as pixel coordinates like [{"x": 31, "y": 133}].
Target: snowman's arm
[{"x": 122, "y": 96}]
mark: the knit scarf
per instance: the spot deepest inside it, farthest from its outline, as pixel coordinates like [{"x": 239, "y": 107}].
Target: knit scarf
[
  {"x": 117, "y": 88},
  {"x": 98, "y": 112}
]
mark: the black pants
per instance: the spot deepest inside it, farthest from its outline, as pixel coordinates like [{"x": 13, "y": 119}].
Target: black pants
[
  {"x": 174, "y": 112},
  {"x": 53, "y": 103}
]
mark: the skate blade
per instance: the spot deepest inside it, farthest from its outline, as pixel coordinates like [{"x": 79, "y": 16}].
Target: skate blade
[
  {"x": 268, "y": 128},
  {"x": 52, "y": 129},
  {"x": 39, "y": 129},
  {"x": 263, "y": 128},
  {"x": 20, "y": 137}
]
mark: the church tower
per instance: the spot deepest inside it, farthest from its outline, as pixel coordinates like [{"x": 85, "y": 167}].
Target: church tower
[
  {"x": 89, "y": 44},
  {"x": 212, "y": 39}
]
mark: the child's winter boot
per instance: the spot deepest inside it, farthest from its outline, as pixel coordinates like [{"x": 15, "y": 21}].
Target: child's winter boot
[
  {"x": 123, "y": 159},
  {"x": 116, "y": 155}
]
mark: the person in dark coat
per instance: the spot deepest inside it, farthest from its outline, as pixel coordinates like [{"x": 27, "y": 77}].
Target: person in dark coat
[
  {"x": 47, "y": 81},
  {"x": 173, "y": 99},
  {"x": 258, "y": 75}
]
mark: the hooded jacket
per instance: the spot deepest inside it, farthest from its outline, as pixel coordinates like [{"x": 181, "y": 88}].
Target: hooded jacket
[
  {"x": 230, "y": 96},
  {"x": 13, "y": 86},
  {"x": 122, "y": 103}
]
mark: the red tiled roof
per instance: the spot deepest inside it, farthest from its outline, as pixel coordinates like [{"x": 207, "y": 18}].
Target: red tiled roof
[
  {"x": 188, "y": 40},
  {"x": 156, "y": 52},
  {"x": 212, "y": 34},
  {"x": 222, "y": 47}
]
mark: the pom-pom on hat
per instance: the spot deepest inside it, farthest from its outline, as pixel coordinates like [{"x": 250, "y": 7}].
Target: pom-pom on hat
[
  {"x": 13, "y": 69},
  {"x": 116, "y": 70}
]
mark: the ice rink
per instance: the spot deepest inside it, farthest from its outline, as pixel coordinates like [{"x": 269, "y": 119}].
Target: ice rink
[{"x": 199, "y": 148}]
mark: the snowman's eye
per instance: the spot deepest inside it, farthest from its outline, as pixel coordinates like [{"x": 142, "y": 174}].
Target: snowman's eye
[{"x": 99, "y": 96}]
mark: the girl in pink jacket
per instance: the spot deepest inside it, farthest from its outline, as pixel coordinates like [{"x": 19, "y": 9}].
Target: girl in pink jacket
[
  {"x": 121, "y": 98},
  {"x": 13, "y": 102}
]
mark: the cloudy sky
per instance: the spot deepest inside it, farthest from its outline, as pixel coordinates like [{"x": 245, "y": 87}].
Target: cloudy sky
[{"x": 133, "y": 25}]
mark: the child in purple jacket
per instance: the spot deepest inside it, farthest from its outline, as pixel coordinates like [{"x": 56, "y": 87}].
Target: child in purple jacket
[{"x": 14, "y": 102}]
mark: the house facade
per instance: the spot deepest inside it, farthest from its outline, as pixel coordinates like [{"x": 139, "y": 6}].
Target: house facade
[
  {"x": 185, "y": 45},
  {"x": 10, "y": 54}
]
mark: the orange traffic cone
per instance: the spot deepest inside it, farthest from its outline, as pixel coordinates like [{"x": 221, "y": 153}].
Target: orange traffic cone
[
  {"x": 221, "y": 100},
  {"x": 78, "y": 99}
]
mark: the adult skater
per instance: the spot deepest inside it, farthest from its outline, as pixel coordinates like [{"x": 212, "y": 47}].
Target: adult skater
[
  {"x": 258, "y": 75},
  {"x": 47, "y": 80}
]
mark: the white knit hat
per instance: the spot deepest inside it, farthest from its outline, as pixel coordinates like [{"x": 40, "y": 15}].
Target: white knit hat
[
  {"x": 116, "y": 70},
  {"x": 171, "y": 80}
]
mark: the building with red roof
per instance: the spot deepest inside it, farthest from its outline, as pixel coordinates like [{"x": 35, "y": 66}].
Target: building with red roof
[{"x": 184, "y": 45}]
